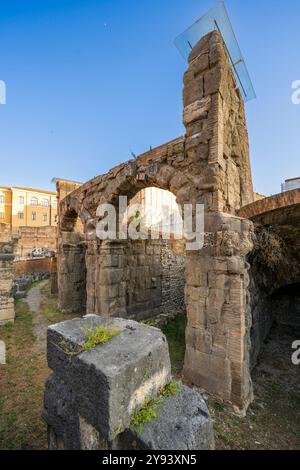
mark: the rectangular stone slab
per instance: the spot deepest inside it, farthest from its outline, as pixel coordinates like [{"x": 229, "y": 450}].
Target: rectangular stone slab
[{"x": 111, "y": 380}]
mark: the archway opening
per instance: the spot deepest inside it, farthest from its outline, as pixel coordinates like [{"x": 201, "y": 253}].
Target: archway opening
[
  {"x": 157, "y": 262},
  {"x": 276, "y": 375},
  {"x": 142, "y": 277},
  {"x": 72, "y": 264}
]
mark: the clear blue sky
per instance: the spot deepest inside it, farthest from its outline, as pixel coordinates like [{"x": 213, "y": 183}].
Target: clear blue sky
[{"x": 88, "y": 80}]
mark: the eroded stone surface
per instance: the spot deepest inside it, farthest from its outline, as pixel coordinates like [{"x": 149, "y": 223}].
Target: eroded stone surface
[{"x": 182, "y": 423}]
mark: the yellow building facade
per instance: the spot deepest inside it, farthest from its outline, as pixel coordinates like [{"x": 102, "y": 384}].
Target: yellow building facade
[{"x": 27, "y": 207}]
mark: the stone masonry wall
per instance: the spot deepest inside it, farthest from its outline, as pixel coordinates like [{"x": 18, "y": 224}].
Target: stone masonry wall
[
  {"x": 72, "y": 273},
  {"x": 139, "y": 279},
  {"x": 173, "y": 278}
]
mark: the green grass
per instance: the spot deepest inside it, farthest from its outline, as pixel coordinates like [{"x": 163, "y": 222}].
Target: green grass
[
  {"x": 49, "y": 307},
  {"x": 21, "y": 384},
  {"x": 99, "y": 335},
  {"x": 175, "y": 333}
]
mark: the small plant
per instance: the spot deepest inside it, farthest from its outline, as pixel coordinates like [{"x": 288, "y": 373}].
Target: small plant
[
  {"x": 150, "y": 323},
  {"x": 146, "y": 413},
  {"x": 149, "y": 410},
  {"x": 99, "y": 335},
  {"x": 173, "y": 388},
  {"x": 219, "y": 406}
]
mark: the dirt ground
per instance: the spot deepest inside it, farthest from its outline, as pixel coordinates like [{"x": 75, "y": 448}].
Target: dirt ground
[{"x": 272, "y": 422}]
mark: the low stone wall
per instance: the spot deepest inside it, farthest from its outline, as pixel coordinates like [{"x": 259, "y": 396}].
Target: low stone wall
[
  {"x": 38, "y": 265},
  {"x": 22, "y": 282},
  {"x": 267, "y": 204},
  {"x": 93, "y": 393}
]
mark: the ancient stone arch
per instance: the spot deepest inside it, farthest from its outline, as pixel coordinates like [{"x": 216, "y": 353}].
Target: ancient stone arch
[{"x": 209, "y": 165}]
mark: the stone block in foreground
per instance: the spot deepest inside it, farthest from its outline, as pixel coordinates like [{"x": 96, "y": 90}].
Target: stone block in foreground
[
  {"x": 182, "y": 423},
  {"x": 111, "y": 380}
]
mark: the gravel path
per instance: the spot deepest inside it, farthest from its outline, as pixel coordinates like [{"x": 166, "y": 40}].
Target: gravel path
[{"x": 40, "y": 323}]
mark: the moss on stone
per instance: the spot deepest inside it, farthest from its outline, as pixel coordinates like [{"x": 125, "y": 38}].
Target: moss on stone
[{"x": 99, "y": 335}]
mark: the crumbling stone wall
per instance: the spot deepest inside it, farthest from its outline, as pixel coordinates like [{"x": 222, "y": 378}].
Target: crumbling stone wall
[
  {"x": 209, "y": 165},
  {"x": 7, "y": 311}
]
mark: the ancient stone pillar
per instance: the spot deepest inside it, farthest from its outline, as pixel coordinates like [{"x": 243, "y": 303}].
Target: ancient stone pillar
[
  {"x": 217, "y": 336},
  {"x": 71, "y": 273},
  {"x": 7, "y": 311}
]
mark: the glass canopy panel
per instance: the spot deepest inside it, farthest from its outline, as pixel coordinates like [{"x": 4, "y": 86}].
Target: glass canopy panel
[{"x": 217, "y": 19}]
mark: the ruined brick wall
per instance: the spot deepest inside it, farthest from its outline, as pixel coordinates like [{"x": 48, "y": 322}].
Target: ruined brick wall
[
  {"x": 35, "y": 237},
  {"x": 42, "y": 265},
  {"x": 7, "y": 312}
]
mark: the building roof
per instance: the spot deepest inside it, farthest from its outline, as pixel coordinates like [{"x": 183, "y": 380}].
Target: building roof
[
  {"x": 292, "y": 179},
  {"x": 42, "y": 191},
  {"x": 55, "y": 180}
]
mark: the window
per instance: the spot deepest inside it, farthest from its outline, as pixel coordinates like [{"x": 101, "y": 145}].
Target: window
[
  {"x": 33, "y": 215},
  {"x": 1, "y": 215},
  {"x": 21, "y": 199},
  {"x": 20, "y": 215},
  {"x": 1, "y": 199},
  {"x": 34, "y": 201},
  {"x": 45, "y": 203},
  {"x": 45, "y": 217}
]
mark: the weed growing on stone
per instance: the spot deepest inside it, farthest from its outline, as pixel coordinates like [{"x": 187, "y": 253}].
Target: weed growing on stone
[
  {"x": 98, "y": 335},
  {"x": 173, "y": 388},
  {"x": 150, "y": 323},
  {"x": 149, "y": 410}
]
